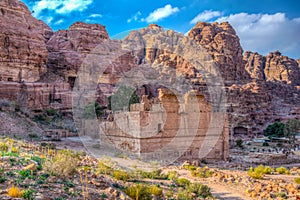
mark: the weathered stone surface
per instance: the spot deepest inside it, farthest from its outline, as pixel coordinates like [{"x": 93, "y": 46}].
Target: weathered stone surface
[
  {"x": 255, "y": 65},
  {"x": 143, "y": 131},
  {"x": 68, "y": 48},
  {"x": 38, "y": 96},
  {"x": 223, "y": 45},
  {"x": 23, "y": 53},
  {"x": 281, "y": 68}
]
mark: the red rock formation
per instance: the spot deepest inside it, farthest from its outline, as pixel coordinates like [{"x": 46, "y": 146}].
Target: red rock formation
[
  {"x": 282, "y": 68},
  {"x": 223, "y": 44},
  {"x": 23, "y": 53},
  {"x": 68, "y": 48}
]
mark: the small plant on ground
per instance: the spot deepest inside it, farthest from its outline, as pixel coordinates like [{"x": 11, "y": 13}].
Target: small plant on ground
[
  {"x": 282, "y": 170},
  {"x": 297, "y": 180},
  {"x": 63, "y": 164},
  {"x": 172, "y": 175},
  {"x": 28, "y": 194},
  {"x": 121, "y": 175},
  {"x": 15, "y": 192},
  {"x": 182, "y": 182},
  {"x": 202, "y": 172},
  {"x": 138, "y": 192},
  {"x": 259, "y": 171},
  {"x": 239, "y": 143},
  {"x": 200, "y": 190}
]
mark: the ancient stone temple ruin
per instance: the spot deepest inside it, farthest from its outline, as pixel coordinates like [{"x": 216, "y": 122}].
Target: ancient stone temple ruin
[{"x": 151, "y": 126}]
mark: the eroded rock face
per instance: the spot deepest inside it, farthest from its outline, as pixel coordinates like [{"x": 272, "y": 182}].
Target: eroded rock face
[
  {"x": 223, "y": 45},
  {"x": 23, "y": 53},
  {"x": 68, "y": 48},
  {"x": 255, "y": 64},
  {"x": 282, "y": 68}
]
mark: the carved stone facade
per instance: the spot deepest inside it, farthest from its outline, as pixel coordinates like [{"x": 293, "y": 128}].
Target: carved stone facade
[
  {"x": 38, "y": 96},
  {"x": 144, "y": 131}
]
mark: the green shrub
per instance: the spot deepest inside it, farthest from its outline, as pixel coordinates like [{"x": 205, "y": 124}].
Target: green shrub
[
  {"x": 297, "y": 180},
  {"x": 183, "y": 194},
  {"x": 25, "y": 173},
  {"x": 156, "y": 191},
  {"x": 3, "y": 146},
  {"x": 28, "y": 194},
  {"x": 121, "y": 175},
  {"x": 104, "y": 168},
  {"x": 200, "y": 190},
  {"x": 138, "y": 192},
  {"x": 268, "y": 170},
  {"x": 155, "y": 174},
  {"x": 182, "y": 182},
  {"x": 282, "y": 170},
  {"x": 202, "y": 172},
  {"x": 275, "y": 130},
  {"x": 172, "y": 175},
  {"x": 239, "y": 143},
  {"x": 63, "y": 164},
  {"x": 281, "y": 194},
  {"x": 256, "y": 174},
  {"x": 51, "y": 112}
]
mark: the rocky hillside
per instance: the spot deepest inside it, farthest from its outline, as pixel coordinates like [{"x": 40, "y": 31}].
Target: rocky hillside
[
  {"x": 260, "y": 89},
  {"x": 23, "y": 52}
]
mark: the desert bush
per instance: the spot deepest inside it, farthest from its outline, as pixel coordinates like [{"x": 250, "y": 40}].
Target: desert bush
[
  {"x": 139, "y": 192},
  {"x": 24, "y": 173},
  {"x": 15, "y": 192},
  {"x": 155, "y": 190},
  {"x": 172, "y": 175},
  {"x": 63, "y": 164},
  {"x": 200, "y": 190},
  {"x": 121, "y": 175},
  {"x": 190, "y": 167},
  {"x": 239, "y": 143},
  {"x": 28, "y": 194},
  {"x": 183, "y": 194},
  {"x": 202, "y": 172},
  {"x": 104, "y": 167},
  {"x": 268, "y": 170},
  {"x": 3, "y": 146},
  {"x": 297, "y": 180},
  {"x": 155, "y": 174},
  {"x": 255, "y": 173},
  {"x": 282, "y": 170},
  {"x": 182, "y": 182}
]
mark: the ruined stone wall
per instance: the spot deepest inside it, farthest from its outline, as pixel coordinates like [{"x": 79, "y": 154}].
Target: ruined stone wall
[
  {"x": 38, "y": 96},
  {"x": 148, "y": 131}
]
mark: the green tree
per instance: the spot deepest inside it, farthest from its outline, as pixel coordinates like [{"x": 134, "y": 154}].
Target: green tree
[
  {"x": 275, "y": 130},
  {"x": 123, "y": 97},
  {"x": 91, "y": 109},
  {"x": 291, "y": 128}
]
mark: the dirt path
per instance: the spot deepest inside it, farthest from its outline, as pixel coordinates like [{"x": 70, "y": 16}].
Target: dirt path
[{"x": 219, "y": 190}]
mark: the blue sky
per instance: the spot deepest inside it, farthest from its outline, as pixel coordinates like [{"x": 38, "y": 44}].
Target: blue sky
[{"x": 262, "y": 25}]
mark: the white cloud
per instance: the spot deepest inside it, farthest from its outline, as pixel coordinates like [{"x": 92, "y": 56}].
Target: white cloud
[
  {"x": 205, "y": 16},
  {"x": 95, "y": 16},
  {"x": 59, "y": 22},
  {"x": 161, "y": 13},
  {"x": 135, "y": 17},
  {"x": 267, "y": 32},
  {"x": 61, "y": 6},
  {"x": 47, "y": 19}
]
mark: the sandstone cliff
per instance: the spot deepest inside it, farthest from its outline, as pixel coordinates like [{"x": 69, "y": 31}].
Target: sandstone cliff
[
  {"x": 223, "y": 44},
  {"x": 23, "y": 53},
  {"x": 68, "y": 48}
]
